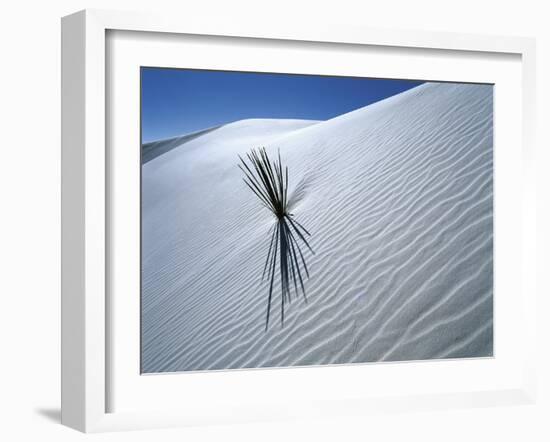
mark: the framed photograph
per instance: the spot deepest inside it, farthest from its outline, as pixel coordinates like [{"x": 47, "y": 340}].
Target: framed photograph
[{"x": 265, "y": 222}]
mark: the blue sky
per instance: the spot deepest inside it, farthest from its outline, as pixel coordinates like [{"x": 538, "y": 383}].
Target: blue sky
[{"x": 180, "y": 101}]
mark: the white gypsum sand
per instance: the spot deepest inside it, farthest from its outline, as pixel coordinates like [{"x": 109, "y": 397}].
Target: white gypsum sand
[{"x": 398, "y": 197}]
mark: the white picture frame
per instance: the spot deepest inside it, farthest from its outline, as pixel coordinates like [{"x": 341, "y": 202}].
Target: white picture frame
[{"x": 86, "y": 204}]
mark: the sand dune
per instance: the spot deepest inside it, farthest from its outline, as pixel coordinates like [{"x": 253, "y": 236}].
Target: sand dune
[{"x": 398, "y": 197}]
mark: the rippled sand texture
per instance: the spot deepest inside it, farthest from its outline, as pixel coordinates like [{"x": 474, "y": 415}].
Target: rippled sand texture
[{"x": 398, "y": 197}]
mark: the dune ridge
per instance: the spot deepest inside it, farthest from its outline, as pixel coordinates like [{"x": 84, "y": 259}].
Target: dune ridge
[{"x": 398, "y": 197}]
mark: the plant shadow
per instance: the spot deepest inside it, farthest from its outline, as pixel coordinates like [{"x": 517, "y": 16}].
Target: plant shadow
[{"x": 269, "y": 182}]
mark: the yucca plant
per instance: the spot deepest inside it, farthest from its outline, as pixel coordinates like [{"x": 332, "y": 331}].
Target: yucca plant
[{"x": 267, "y": 180}]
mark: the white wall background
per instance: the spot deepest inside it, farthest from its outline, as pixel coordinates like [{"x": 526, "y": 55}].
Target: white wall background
[{"x": 30, "y": 219}]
